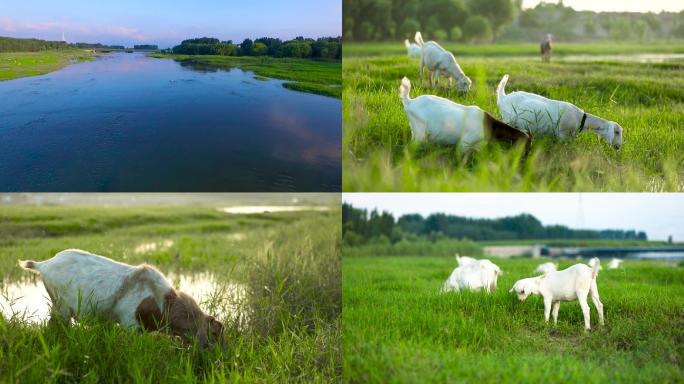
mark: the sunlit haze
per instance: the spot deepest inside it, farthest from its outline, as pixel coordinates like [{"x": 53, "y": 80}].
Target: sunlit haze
[{"x": 616, "y": 5}]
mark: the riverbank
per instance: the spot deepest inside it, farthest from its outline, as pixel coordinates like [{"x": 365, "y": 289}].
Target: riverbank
[
  {"x": 14, "y": 65},
  {"x": 310, "y": 76}
]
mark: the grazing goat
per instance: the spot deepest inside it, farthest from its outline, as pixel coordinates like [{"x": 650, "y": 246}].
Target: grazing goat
[
  {"x": 546, "y": 268},
  {"x": 438, "y": 61},
  {"x": 538, "y": 115},
  {"x": 413, "y": 50},
  {"x": 136, "y": 297},
  {"x": 473, "y": 274},
  {"x": 615, "y": 263},
  {"x": 441, "y": 121},
  {"x": 546, "y": 48},
  {"x": 594, "y": 262},
  {"x": 573, "y": 283}
]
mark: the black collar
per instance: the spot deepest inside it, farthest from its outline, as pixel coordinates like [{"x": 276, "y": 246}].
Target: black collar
[{"x": 581, "y": 128}]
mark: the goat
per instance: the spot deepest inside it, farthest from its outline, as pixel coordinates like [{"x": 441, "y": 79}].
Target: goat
[
  {"x": 438, "y": 61},
  {"x": 573, "y": 283},
  {"x": 538, "y": 115},
  {"x": 136, "y": 297}
]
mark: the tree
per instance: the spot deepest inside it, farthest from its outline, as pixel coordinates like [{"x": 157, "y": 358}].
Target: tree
[
  {"x": 259, "y": 49},
  {"x": 408, "y": 28},
  {"x": 455, "y": 34},
  {"x": 246, "y": 47},
  {"x": 477, "y": 29},
  {"x": 498, "y": 12}
]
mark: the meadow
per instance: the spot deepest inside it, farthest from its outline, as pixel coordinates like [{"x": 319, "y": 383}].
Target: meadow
[
  {"x": 646, "y": 99},
  {"x": 283, "y": 327},
  {"x": 398, "y": 328},
  {"x": 320, "y": 77},
  {"x": 14, "y": 65}
]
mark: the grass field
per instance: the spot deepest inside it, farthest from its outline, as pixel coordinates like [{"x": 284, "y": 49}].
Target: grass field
[
  {"x": 646, "y": 99},
  {"x": 285, "y": 328},
  {"x": 311, "y": 76},
  {"x": 14, "y": 65},
  {"x": 398, "y": 328}
]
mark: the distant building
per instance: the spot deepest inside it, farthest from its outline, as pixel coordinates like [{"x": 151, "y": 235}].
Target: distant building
[{"x": 63, "y": 37}]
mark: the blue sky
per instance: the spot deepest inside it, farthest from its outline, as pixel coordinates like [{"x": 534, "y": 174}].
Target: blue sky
[
  {"x": 166, "y": 23},
  {"x": 658, "y": 214}
]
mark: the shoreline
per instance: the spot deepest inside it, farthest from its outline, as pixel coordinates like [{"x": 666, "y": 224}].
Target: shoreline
[
  {"x": 17, "y": 65},
  {"x": 323, "y": 78}
]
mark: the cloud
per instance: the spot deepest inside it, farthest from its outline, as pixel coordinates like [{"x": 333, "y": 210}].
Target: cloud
[{"x": 94, "y": 32}]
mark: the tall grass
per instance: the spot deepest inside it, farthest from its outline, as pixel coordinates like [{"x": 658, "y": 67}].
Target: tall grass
[
  {"x": 398, "y": 328},
  {"x": 646, "y": 99},
  {"x": 284, "y": 328}
]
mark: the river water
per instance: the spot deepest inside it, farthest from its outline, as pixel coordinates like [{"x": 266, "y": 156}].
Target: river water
[{"x": 127, "y": 122}]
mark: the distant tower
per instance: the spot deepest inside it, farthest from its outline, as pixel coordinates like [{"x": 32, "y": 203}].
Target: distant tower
[{"x": 63, "y": 37}]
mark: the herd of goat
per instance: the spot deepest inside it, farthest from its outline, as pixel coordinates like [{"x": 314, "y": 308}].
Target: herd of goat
[
  {"x": 573, "y": 283},
  {"x": 524, "y": 115}
]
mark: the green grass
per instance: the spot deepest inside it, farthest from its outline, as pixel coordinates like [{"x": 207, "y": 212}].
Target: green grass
[
  {"x": 646, "y": 99},
  {"x": 398, "y": 328},
  {"x": 310, "y": 76},
  {"x": 14, "y": 65},
  {"x": 517, "y": 49},
  {"x": 288, "y": 263}
]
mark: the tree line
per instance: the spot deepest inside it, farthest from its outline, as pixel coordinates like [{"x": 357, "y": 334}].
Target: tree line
[
  {"x": 360, "y": 226},
  {"x": 322, "y": 48},
  {"x": 503, "y": 20},
  {"x": 146, "y": 47},
  {"x": 10, "y": 44}
]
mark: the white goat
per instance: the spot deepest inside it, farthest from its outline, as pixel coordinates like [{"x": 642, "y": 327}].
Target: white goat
[
  {"x": 438, "y": 60},
  {"x": 136, "y": 297},
  {"x": 573, "y": 283},
  {"x": 441, "y": 121},
  {"x": 594, "y": 262},
  {"x": 538, "y": 115},
  {"x": 546, "y": 268},
  {"x": 412, "y": 49},
  {"x": 615, "y": 263},
  {"x": 473, "y": 274}
]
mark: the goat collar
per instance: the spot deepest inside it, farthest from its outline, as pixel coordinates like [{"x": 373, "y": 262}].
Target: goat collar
[{"x": 584, "y": 118}]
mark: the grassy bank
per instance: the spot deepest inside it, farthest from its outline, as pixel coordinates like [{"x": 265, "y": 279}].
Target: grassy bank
[
  {"x": 517, "y": 49},
  {"x": 286, "y": 329},
  {"x": 645, "y": 99},
  {"x": 14, "y": 65},
  {"x": 398, "y": 328},
  {"x": 311, "y": 76}
]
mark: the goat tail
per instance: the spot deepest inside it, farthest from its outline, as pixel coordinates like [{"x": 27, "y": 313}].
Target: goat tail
[
  {"x": 501, "y": 89},
  {"x": 407, "y": 44},
  {"x": 419, "y": 39},
  {"x": 28, "y": 265},
  {"x": 404, "y": 89},
  {"x": 595, "y": 267}
]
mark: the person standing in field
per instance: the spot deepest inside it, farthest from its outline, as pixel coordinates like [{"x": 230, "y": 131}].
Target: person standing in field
[{"x": 546, "y": 48}]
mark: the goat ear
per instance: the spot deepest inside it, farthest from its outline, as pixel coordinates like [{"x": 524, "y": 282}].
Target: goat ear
[
  {"x": 511, "y": 290},
  {"x": 149, "y": 314}
]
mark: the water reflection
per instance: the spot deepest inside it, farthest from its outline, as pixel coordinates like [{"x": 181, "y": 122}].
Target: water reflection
[
  {"x": 28, "y": 300},
  {"x": 126, "y": 122}
]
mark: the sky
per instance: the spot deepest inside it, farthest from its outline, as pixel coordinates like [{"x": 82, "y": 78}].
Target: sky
[
  {"x": 167, "y": 23},
  {"x": 659, "y": 215},
  {"x": 615, "y": 5}
]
